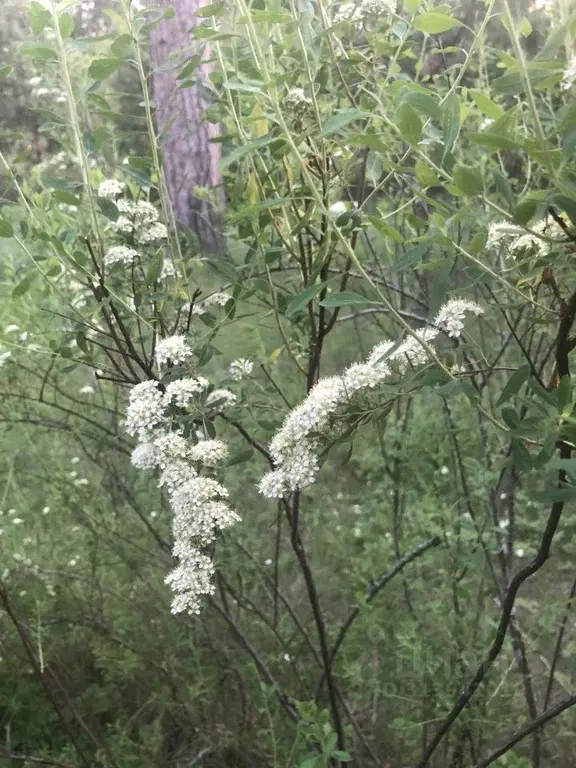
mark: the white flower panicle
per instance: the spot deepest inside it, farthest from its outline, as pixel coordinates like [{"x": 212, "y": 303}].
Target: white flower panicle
[
  {"x": 173, "y": 350},
  {"x": 450, "y": 318},
  {"x": 197, "y": 501},
  {"x": 209, "y": 452},
  {"x": 182, "y": 391},
  {"x": 240, "y": 368},
  {"x": 120, "y": 254},
  {"x": 144, "y": 456},
  {"x": 145, "y": 408},
  {"x": 191, "y": 580},
  {"x": 362, "y": 10},
  {"x": 220, "y": 399},
  {"x": 110, "y": 189},
  {"x": 141, "y": 220},
  {"x": 218, "y": 299},
  {"x": 294, "y": 448},
  {"x": 518, "y": 239}
]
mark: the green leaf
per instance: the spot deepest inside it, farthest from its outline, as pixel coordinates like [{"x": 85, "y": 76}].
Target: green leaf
[
  {"x": 486, "y": 105},
  {"x": 121, "y": 46},
  {"x": 469, "y": 180},
  {"x": 514, "y": 384},
  {"x": 343, "y": 299},
  {"x": 426, "y": 175},
  {"x": 25, "y": 284},
  {"x": 66, "y": 197},
  {"x": 100, "y": 69},
  {"x": 525, "y": 210},
  {"x": 341, "y": 755},
  {"x": 6, "y": 228},
  {"x": 422, "y": 102},
  {"x": 433, "y": 23},
  {"x": 214, "y": 9},
  {"x": 155, "y": 269},
  {"x": 412, "y": 5},
  {"x": 450, "y": 122},
  {"x": 66, "y": 25},
  {"x": 39, "y": 17},
  {"x": 555, "y": 494},
  {"x": 338, "y": 121},
  {"x": 5, "y": 70},
  {"x": 494, "y": 141},
  {"x": 240, "y": 458},
  {"x": 302, "y": 299},
  {"x": 408, "y": 123}
]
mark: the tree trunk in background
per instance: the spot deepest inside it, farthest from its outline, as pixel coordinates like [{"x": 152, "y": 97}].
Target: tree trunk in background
[{"x": 189, "y": 159}]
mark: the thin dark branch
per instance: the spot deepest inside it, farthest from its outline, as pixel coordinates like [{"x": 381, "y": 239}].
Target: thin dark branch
[{"x": 545, "y": 717}]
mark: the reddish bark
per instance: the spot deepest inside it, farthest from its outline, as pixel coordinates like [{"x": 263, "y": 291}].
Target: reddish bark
[{"x": 189, "y": 159}]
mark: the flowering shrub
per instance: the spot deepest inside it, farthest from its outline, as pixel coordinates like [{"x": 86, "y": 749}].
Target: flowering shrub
[{"x": 346, "y": 436}]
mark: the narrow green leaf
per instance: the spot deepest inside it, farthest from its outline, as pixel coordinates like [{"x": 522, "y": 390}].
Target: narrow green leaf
[
  {"x": 343, "y": 299},
  {"x": 155, "y": 269},
  {"x": 6, "y": 228},
  {"x": 486, "y": 105},
  {"x": 555, "y": 494},
  {"x": 25, "y": 284},
  {"x": 302, "y": 299},
  {"x": 408, "y": 123},
  {"x": 494, "y": 141},
  {"x": 338, "y": 121},
  {"x": 433, "y": 23},
  {"x": 214, "y": 9},
  {"x": 524, "y": 211},
  {"x": 450, "y": 122},
  {"x": 514, "y": 384}
]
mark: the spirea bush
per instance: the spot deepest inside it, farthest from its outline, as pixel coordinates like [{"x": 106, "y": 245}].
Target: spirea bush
[{"x": 356, "y": 414}]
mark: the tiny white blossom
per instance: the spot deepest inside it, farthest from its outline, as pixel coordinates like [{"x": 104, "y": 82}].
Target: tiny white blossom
[
  {"x": 17, "y": 521},
  {"x": 240, "y": 368},
  {"x": 519, "y": 552},
  {"x": 173, "y": 349},
  {"x": 87, "y": 390},
  {"x": 444, "y": 470},
  {"x": 45, "y": 510}
]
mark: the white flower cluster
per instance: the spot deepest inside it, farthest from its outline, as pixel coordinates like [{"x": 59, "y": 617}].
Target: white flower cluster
[
  {"x": 218, "y": 299},
  {"x": 569, "y": 75},
  {"x": 297, "y": 102},
  {"x": 294, "y": 448},
  {"x": 360, "y": 11},
  {"x": 220, "y": 399},
  {"x": 197, "y": 501},
  {"x": 240, "y": 368},
  {"x": 173, "y": 350},
  {"x": 140, "y": 220},
  {"x": 110, "y": 189},
  {"x": 181, "y": 391},
  {"x": 120, "y": 254},
  {"x": 517, "y": 239}
]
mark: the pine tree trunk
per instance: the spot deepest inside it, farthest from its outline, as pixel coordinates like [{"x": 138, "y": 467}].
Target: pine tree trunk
[{"x": 189, "y": 159}]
